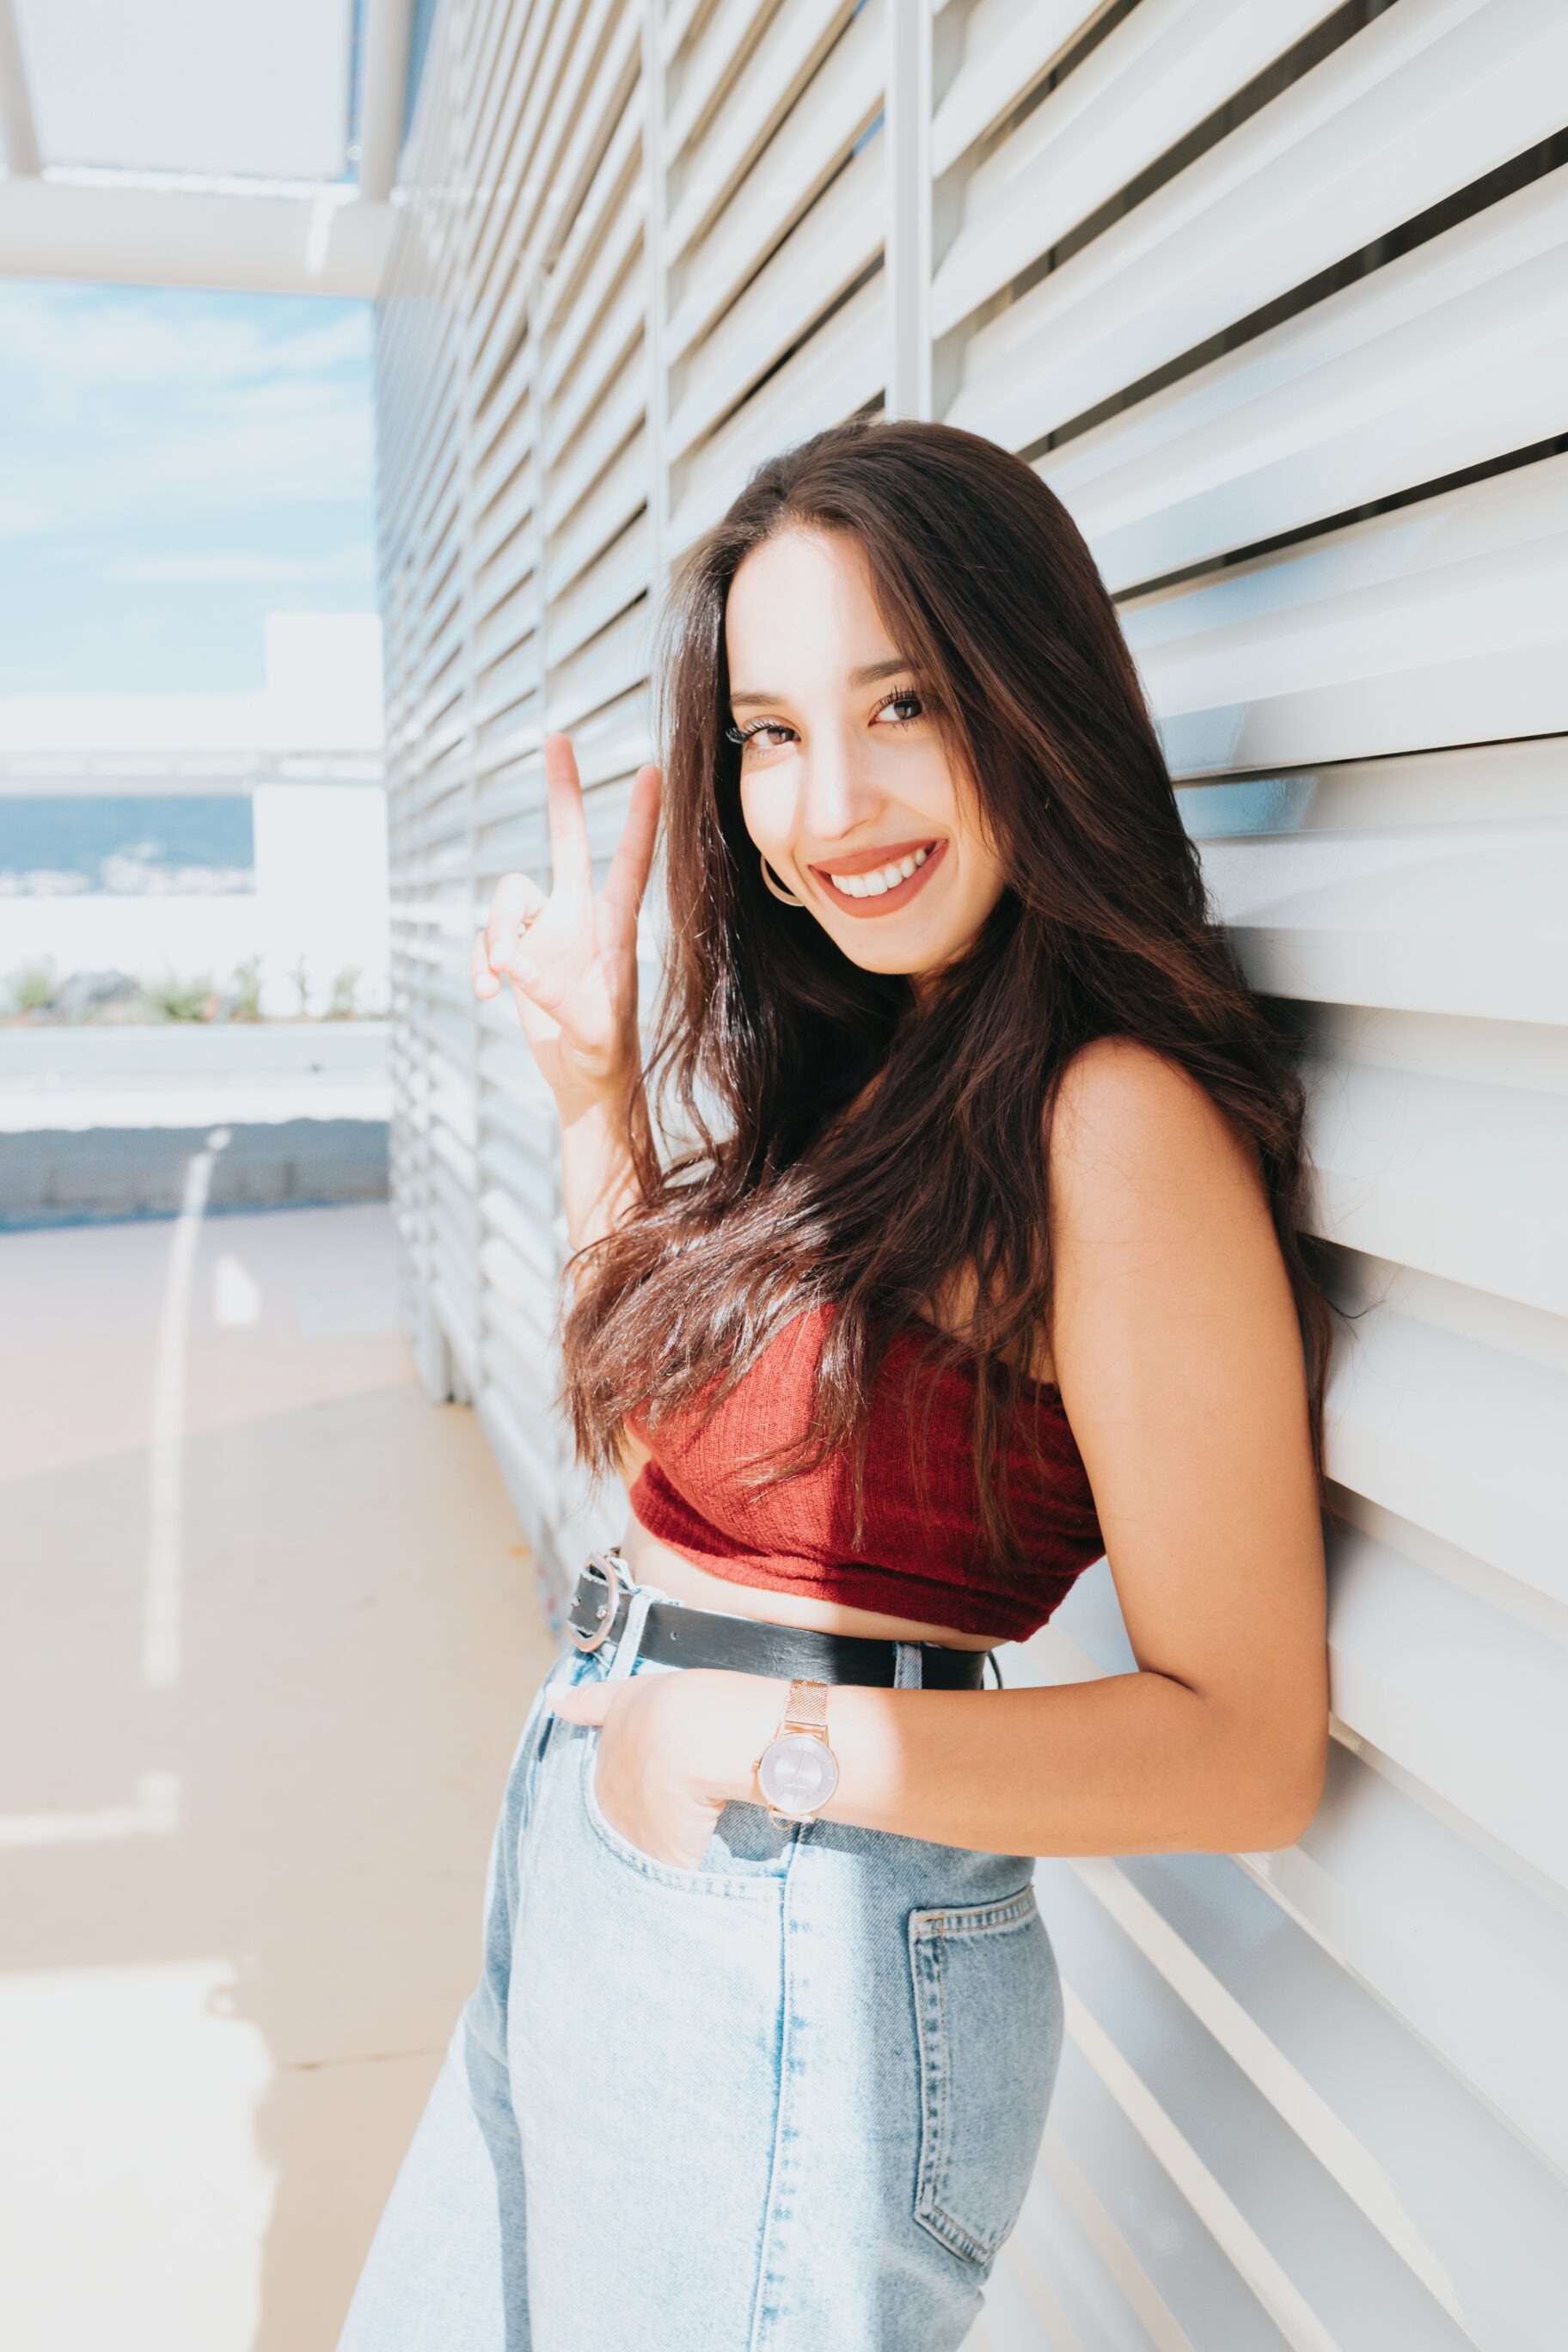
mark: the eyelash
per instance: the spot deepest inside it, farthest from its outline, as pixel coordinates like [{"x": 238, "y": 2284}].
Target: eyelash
[{"x": 742, "y": 735}]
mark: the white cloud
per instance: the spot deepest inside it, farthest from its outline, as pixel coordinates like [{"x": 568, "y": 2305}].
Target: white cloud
[{"x": 139, "y": 410}]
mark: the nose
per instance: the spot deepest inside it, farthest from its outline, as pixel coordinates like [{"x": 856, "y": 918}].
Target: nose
[{"x": 837, "y": 792}]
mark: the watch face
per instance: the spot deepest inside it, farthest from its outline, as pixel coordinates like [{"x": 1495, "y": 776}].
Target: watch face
[{"x": 797, "y": 1772}]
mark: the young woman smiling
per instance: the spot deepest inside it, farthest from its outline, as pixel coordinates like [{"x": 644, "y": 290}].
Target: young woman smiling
[{"x": 976, "y": 1258}]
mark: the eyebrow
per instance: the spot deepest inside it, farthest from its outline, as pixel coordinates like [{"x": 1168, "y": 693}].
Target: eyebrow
[{"x": 867, "y": 676}]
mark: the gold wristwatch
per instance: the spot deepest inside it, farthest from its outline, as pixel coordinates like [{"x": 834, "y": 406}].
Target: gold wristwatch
[{"x": 797, "y": 1770}]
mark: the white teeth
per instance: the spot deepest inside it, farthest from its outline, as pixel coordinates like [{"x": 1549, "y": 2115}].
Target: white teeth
[{"x": 881, "y": 879}]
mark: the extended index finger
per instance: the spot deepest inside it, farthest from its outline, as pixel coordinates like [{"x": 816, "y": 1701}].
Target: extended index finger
[{"x": 571, "y": 860}]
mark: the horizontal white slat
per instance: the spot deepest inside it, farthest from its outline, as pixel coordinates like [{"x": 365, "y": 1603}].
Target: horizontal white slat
[
  {"x": 1443, "y": 623},
  {"x": 1458, "y": 1438},
  {"x": 788, "y": 173},
  {"x": 1311, "y": 2255},
  {"x": 1108, "y": 2237},
  {"x": 1470, "y": 784},
  {"x": 1164, "y": 69},
  {"x": 838, "y": 237},
  {"x": 517, "y": 1222},
  {"x": 1452, "y": 355},
  {"x": 1375, "y": 2107},
  {"x": 609, "y": 507},
  {"x": 614, "y": 581},
  {"x": 766, "y": 83},
  {"x": 837, "y": 372},
  {"x": 1007, "y": 50},
  {"x": 603, "y": 672},
  {"x": 1464, "y": 1181},
  {"x": 553, "y": 145},
  {"x": 1444, "y": 922},
  {"x": 606, "y": 232},
  {"x": 1395, "y": 1887},
  {"x": 573, "y": 472},
  {"x": 1430, "y": 96},
  {"x": 698, "y": 70},
  {"x": 1465, "y": 1699},
  {"x": 605, "y": 356},
  {"x": 531, "y": 1476}
]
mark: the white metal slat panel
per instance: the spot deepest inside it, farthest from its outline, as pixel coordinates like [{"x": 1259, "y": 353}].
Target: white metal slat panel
[
  {"x": 766, "y": 82},
  {"x": 1428, "y": 98},
  {"x": 1458, "y": 1982},
  {"x": 1278, "y": 2066},
  {"x": 1439, "y": 623},
  {"x": 1450, "y": 356},
  {"x": 786, "y": 177},
  {"x": 840, "y": 370},
  {"x": 839, "y": 238},
  {"x": 1153, "y": 79}
]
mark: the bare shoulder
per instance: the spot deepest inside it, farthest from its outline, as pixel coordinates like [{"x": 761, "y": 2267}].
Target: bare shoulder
[
  {"x": 1166, "y": 1262},
  {"x": 1127, "y": 1114}
]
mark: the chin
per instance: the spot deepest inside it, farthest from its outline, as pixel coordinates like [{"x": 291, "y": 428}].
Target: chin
[{"x": 895, "y": 957}]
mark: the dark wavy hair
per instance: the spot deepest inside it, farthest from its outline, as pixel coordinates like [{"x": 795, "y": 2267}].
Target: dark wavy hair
[{"x": 792, "y": 1186}]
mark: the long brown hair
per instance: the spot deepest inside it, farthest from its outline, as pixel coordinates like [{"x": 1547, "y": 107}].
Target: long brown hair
[{"x": 795, "y": 1187}]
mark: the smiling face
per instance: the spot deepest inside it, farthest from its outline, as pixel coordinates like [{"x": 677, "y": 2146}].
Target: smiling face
[{"x": 846, "y": 787}]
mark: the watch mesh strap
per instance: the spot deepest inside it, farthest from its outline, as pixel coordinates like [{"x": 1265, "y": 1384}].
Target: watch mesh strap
[{"x": 806, "y": 1709}]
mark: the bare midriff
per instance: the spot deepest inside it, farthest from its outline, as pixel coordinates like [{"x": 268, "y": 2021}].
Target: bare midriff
[{"x": 653, "y": 1562}]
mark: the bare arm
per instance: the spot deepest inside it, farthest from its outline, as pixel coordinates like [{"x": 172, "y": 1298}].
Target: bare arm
[
  {"x": 570, "y": 962},
  {"x": 1177, "y": 1353}
]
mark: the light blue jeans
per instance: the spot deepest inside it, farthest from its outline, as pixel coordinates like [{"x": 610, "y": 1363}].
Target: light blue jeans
[{"x": 789, "y": 2101}]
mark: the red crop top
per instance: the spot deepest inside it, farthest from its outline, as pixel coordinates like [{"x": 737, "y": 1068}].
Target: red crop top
[{"x": 920, "y": 1559}]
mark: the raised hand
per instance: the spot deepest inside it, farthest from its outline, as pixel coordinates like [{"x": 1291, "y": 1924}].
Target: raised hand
[{"x": 570, "y": 957}]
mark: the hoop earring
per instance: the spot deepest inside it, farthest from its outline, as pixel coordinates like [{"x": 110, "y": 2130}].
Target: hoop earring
[{"x": 775, "y": 889}]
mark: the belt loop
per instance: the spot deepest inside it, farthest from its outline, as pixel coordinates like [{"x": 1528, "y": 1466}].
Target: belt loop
[
  {"x": 907, "y": 1672},
  {"x": 629, "y": 1639}
]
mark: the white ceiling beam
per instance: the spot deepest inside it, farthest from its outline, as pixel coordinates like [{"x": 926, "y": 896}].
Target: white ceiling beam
[
  {"x": 383, "y": 80},
  {"x": 18, "y": 135},
  {"x": 120, "y": 235}
]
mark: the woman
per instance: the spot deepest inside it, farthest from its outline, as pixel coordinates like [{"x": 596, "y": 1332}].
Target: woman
[{"x": 976, "y": 1258}]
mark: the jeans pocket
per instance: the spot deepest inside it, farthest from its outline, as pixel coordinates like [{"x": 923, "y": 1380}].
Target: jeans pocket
[
  {"x": 988, "y": 2012},
  {"x": 721, "y": 1871}
]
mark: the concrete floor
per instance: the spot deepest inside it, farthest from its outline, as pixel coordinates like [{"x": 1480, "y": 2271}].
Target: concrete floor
[{"x": 270, "y": 1637}]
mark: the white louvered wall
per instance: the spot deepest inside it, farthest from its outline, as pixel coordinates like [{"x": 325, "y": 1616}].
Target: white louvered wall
[{"x": 1276, "y": 296}]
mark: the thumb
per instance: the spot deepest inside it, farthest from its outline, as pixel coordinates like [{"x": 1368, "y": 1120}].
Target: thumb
[{"x": 580, "y": 1702}]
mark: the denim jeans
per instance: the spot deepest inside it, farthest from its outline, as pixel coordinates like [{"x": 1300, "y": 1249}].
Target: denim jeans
[{"x": 787, "y": 2101}]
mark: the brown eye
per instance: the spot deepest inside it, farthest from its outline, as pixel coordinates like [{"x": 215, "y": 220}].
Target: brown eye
[{"x": 744, "y": 735}]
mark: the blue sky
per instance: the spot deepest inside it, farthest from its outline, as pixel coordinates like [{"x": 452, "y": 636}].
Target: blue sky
[{"x": 173, "y": 467}]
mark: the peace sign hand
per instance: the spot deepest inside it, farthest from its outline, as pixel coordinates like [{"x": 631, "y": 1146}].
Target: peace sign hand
[{"x": 570, "y": 957}]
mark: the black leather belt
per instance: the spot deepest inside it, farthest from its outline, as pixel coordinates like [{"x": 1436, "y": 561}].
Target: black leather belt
[{"x": 676, "y": 1635}]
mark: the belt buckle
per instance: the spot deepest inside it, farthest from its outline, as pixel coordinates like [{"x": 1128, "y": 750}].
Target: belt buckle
[{"x": 607, "y": 1565}]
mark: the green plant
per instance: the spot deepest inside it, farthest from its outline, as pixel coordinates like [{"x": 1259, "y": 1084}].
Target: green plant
[
  {"x": 32, "y": 989},
  {"x": 345, "y": 987},
  {"x": 243, "y": 1000},
  {"x": 300, "y": 975},
  {"x": 178, "y": 999}
]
